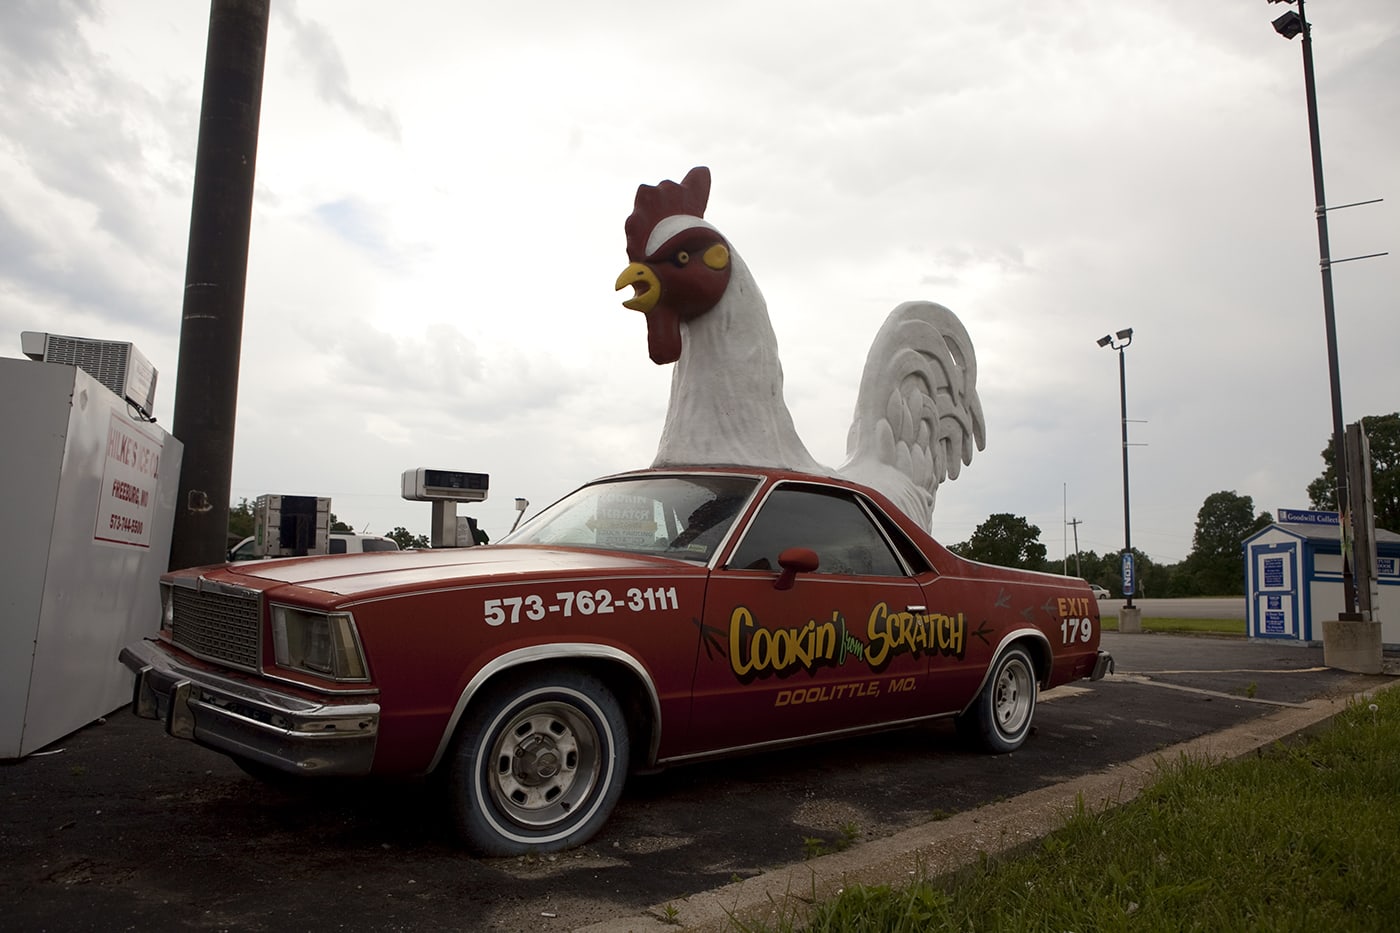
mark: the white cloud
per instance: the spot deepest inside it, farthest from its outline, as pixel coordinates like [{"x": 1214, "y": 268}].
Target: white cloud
[{"x": 441, "y": 191}]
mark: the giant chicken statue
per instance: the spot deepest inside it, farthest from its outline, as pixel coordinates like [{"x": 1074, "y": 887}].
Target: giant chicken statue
[{"x": 917, "y": 414}]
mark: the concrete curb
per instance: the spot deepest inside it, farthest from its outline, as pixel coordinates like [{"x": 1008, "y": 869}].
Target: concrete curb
[{"x": 938, "y": 848}]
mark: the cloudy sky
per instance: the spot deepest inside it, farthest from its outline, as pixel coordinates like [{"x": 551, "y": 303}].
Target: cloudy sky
[{"x": 441, "y": 189}]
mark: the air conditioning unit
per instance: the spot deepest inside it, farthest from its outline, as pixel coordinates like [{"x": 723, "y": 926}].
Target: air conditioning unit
[
  {"x": 118, "y": 366},
  {"x": 425, "y": 485},
  {"x": 291, "y": 525}
]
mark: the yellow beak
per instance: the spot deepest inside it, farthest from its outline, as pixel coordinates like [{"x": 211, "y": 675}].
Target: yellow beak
[{"x": 647, "y": 288}]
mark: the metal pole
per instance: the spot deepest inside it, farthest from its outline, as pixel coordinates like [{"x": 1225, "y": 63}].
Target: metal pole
[
  {"x": 1127, "y": 521},
  {"x": 1339, "y": 455},
  {"x": 216, "y": 271},
  {"x": 1076, "y": 523}
]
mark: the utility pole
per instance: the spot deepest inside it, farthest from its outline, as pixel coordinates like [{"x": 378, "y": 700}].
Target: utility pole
[
  {"x": 1075, "y": 525},
  {"x": 216, "y": 273}
]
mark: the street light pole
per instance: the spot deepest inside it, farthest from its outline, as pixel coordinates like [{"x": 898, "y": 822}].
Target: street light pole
[
  {"x": 1288, "y": 26},
  {"x": 1123, "y": 408},
  {"x": 1120, "y": 342}
]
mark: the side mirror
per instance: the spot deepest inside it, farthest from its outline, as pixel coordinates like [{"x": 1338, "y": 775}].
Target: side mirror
[{"x": 795, "y": 560}]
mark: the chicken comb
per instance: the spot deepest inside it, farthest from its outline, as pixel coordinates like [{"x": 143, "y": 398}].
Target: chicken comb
[{"x": 657, "y": 202}]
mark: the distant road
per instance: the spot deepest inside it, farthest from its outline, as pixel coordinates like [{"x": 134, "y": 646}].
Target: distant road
[{"x": 1229, "y": 607}]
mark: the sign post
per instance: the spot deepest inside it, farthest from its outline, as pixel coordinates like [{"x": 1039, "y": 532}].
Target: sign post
[{"x": 1130, "y": 616}]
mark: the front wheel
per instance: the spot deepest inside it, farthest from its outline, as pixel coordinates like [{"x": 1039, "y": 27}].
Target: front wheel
[
  {"x": 1000, "y": 718},
  {"x": 540, "y": 764}
]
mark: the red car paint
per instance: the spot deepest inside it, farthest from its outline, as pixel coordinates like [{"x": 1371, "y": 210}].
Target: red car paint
[{"x": 709, "y": 658}]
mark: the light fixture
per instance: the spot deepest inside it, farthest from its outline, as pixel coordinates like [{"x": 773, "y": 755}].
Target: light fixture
[
  {"x": 521, "y": 504},
  {"x": 1125, "y": 334},
  {"x": 1105, "y": 340},
  {"x": 1289, "y": 24}
]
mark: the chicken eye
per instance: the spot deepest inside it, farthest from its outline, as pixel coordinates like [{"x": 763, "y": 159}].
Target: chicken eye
[{"x": 682, "y": 258}]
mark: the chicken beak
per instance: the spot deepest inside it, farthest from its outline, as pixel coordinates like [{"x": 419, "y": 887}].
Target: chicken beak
[
  {"x": 646, "y": 287},
  {"x": 663, "y": 326}
]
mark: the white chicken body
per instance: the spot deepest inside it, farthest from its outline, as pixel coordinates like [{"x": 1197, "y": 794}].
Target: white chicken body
[
  {"x": 727, "y": 404},
  {"x": 917, "y": 419}
]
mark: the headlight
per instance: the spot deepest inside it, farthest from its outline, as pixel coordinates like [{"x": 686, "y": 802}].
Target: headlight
[{"x": 324, "y": 644}]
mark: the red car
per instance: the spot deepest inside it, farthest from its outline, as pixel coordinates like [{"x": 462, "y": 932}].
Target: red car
[{"x": 645, "y": 620}]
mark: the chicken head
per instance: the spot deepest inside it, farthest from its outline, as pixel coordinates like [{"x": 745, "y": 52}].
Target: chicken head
[{"x": 680, "y": 265}]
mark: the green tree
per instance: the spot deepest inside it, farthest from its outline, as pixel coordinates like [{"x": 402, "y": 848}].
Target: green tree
[
  {"x": 1215, "y": 566},
  {"x": 1153, "y": 579},
  {"x": 1096, "y": 568},
  {"x": 407, "y": 539},
  {"x": 338, "y": 525},
  {"x": 240, "y": 521},
  {"x": 1383, "y": 431},
  {"x": 1106, "y": 570},
  {"x": 1005, "y": 540}
]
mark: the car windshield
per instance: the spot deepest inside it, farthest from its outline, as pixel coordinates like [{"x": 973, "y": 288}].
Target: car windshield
[{"x": 672, "y": 516}]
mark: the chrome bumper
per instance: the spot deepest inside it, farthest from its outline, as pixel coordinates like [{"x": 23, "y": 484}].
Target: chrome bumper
[
  {"x": 277, "y": 729},
  {"x": 1103, "y": 664}
]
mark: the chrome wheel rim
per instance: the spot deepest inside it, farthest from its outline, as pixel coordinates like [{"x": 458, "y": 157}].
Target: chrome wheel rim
[
  {"x": 544, "y": 764},
  {"x": 1013, "y": 698}
]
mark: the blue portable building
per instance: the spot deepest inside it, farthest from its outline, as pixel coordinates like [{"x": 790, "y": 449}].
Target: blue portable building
[{"x": 1293, "y": 578}]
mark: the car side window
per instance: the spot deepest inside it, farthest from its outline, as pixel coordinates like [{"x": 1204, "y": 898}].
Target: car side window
[
  {"x": 829, "y": 522},
  {"x": 336, "y": 545}
]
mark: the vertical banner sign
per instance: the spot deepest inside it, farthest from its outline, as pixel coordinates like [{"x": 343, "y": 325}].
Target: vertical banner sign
[
  {"x": 126, "y": 501},
  {"x": 1129, "y": 581}
]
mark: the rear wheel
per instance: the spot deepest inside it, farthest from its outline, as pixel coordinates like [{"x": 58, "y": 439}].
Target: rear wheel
[
  {"x": 1000, "y": 719},
  {"x": 540, "y": 764}
]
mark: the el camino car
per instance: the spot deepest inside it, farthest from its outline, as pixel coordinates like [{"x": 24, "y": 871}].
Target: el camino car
[{"x": 645, "y": 620}]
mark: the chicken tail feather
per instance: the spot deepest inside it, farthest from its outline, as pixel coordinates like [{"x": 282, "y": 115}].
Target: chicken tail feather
[{"x": 918, "y": 419}]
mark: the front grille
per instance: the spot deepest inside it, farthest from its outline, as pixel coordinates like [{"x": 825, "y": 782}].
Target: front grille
[{"x": 216, "y": 626}]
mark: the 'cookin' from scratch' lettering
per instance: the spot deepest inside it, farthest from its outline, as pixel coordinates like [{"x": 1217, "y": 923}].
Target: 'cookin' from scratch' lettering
[
  {"x": 755, "y": 651},
  {"x": 914, "y": 633}
]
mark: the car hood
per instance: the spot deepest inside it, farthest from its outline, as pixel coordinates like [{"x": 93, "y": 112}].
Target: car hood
[{"x": 374, "y": 573}]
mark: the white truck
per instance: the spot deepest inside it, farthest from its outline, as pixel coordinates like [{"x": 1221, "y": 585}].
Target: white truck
[{"x": 337, "y": 542}]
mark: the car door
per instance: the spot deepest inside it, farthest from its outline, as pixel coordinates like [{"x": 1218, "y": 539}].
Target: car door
[{"x": 834, "y": 650}]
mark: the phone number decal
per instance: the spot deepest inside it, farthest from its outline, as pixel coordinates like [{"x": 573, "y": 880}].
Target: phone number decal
[{"x": 578, "y": 603}]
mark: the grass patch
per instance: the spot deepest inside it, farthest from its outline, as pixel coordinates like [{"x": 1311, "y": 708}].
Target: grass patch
[
  {"x": 815, "y": 846},
  {"x": 1183, "y": 626},
  {"x": 1300, "y": 837}
]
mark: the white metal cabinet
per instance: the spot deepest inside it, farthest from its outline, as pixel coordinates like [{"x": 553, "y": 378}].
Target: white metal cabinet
[{"x": 87, "y": 500}]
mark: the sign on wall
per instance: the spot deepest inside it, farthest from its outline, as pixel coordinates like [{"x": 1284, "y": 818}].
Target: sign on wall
[
  {"x": 130, "y": 473},
  {"x": 1306, "y": 517}
]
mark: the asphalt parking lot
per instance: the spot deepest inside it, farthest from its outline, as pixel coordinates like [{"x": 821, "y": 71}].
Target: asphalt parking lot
[{"x": 118, "y": 827}]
